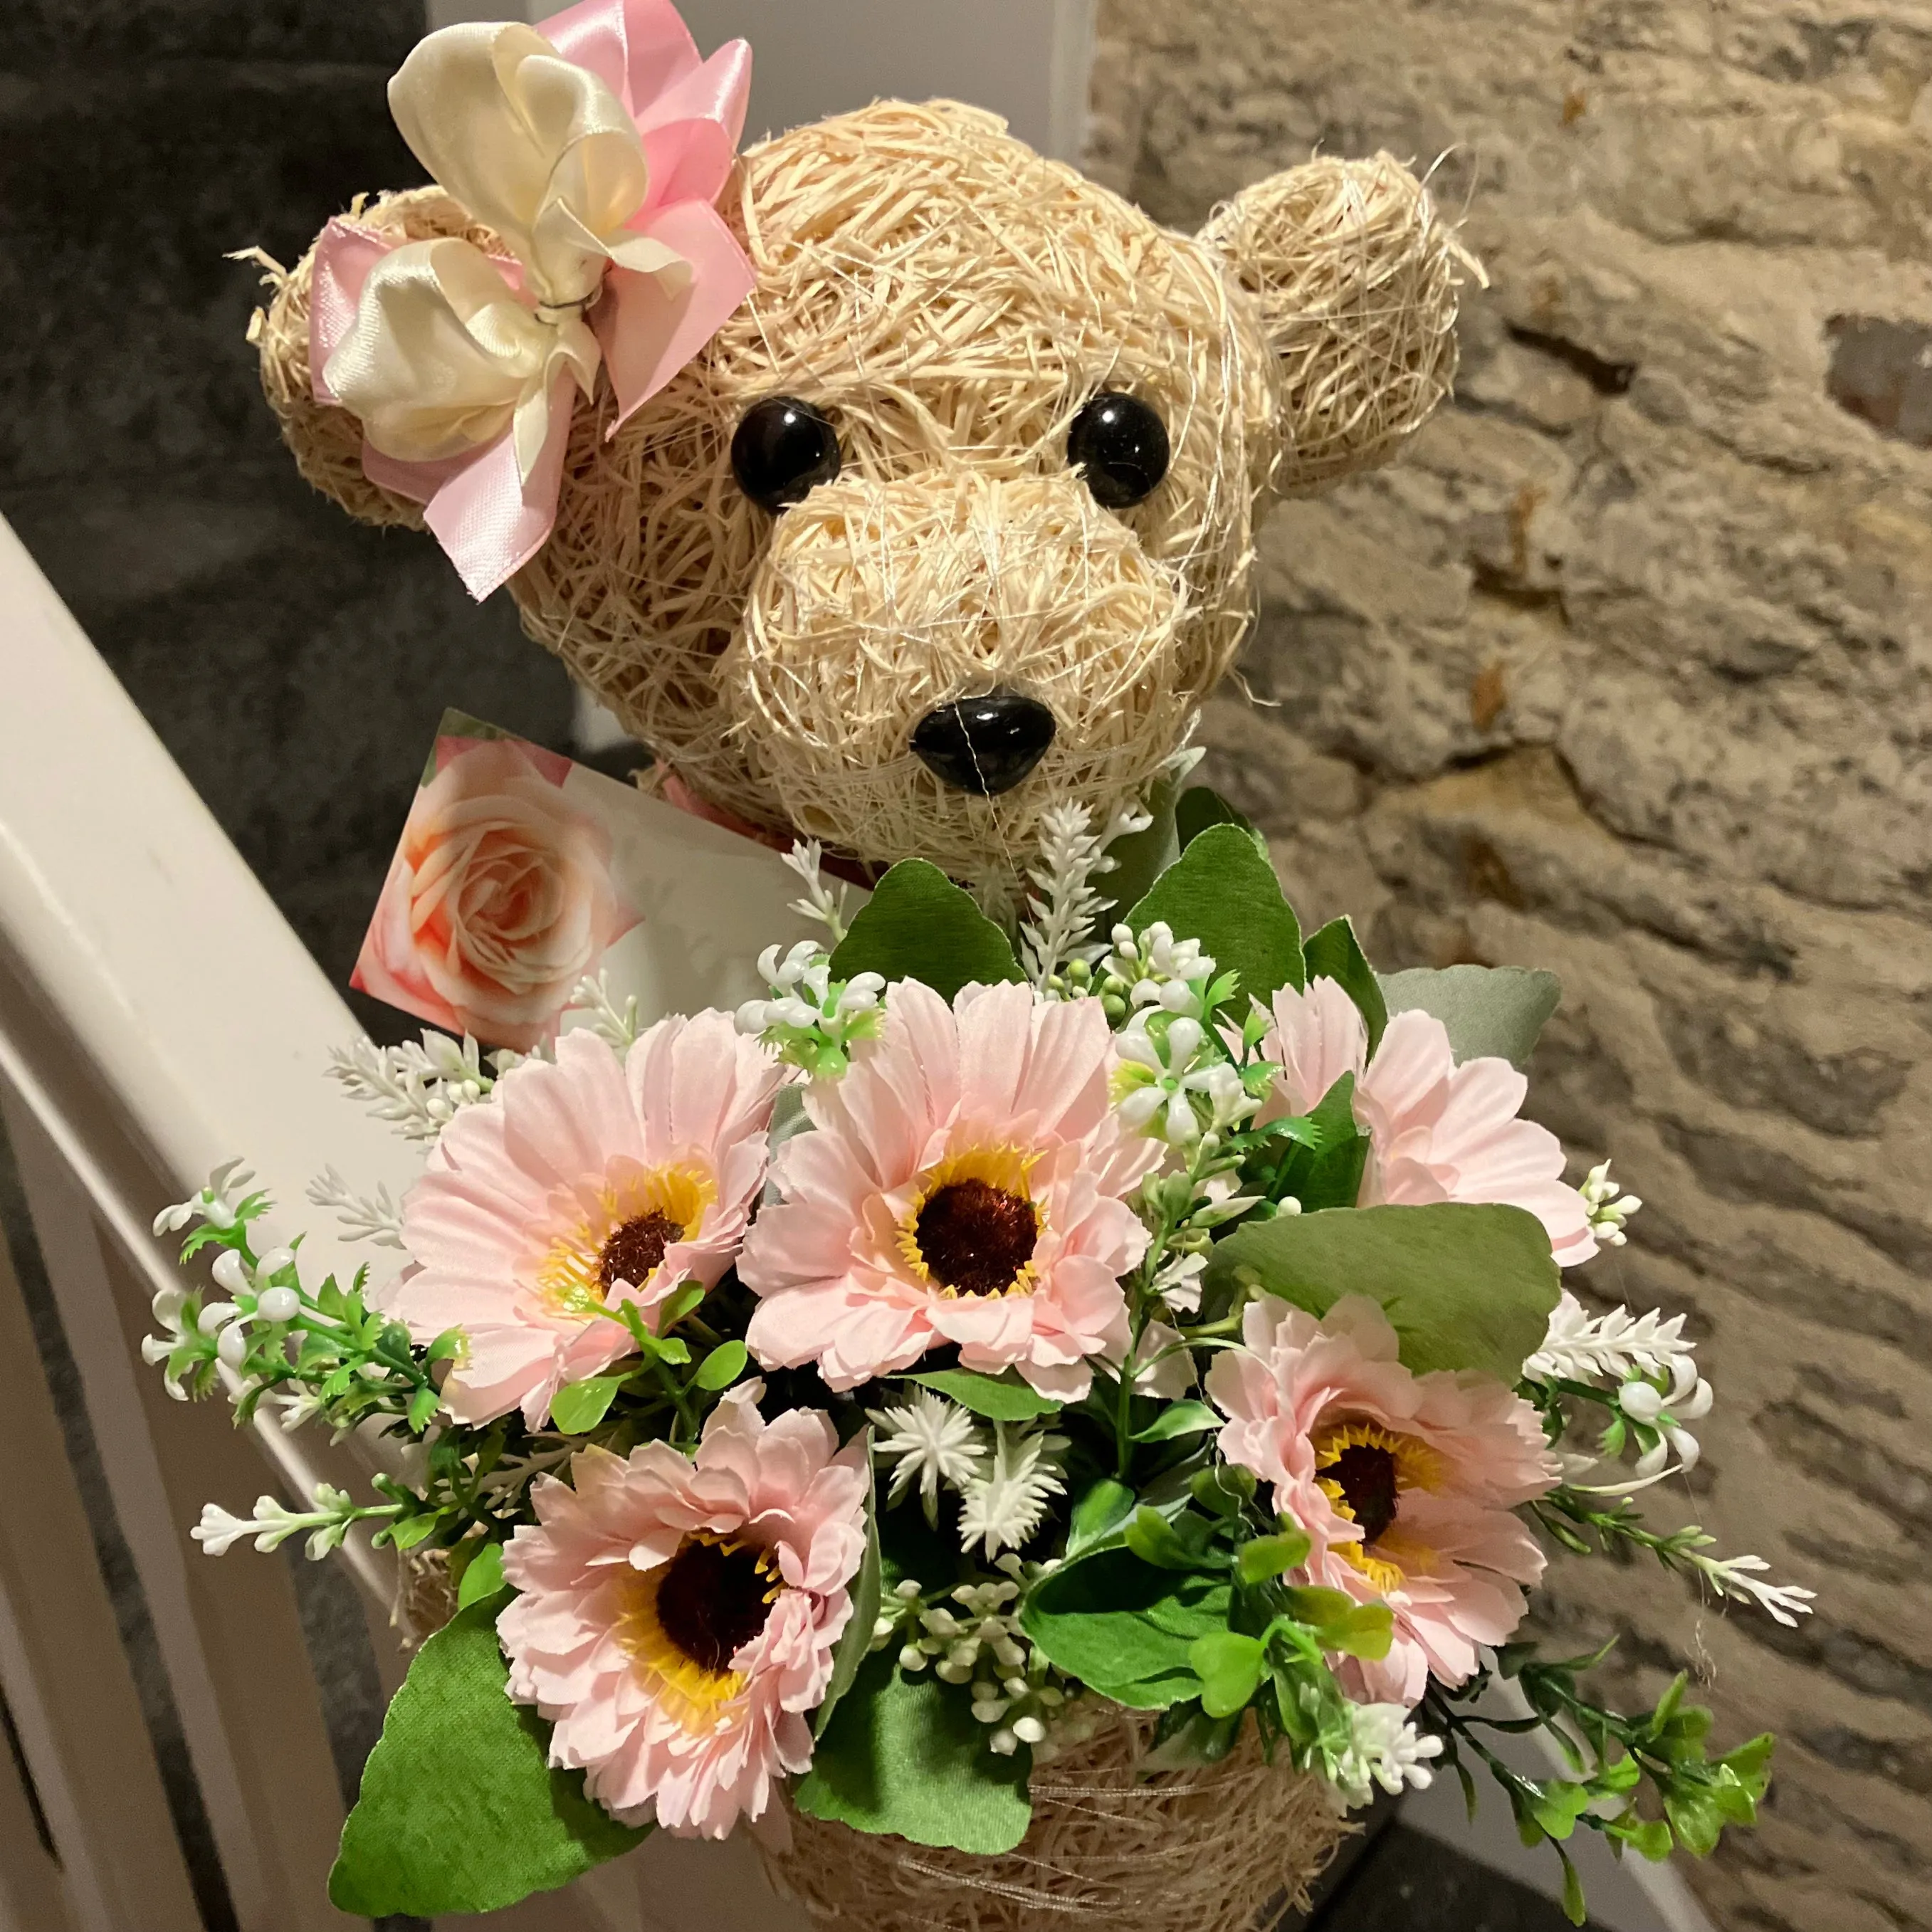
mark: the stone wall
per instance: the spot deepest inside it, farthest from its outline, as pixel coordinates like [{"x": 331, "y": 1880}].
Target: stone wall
[{"x": 1626, "y": 671}]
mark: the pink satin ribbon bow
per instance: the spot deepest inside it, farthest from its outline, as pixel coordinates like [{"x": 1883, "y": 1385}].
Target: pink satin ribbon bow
[{"x": 487, "y": 105}]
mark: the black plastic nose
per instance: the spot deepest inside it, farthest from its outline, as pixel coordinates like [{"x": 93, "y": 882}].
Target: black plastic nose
[{"x": 984, "y": 744}]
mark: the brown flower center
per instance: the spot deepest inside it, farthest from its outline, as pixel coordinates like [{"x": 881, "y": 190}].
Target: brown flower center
[
  {"x": 975, "y": 1238},
  {"x": 634, "y": 1248},
  {"x": 1366, "y": 1476},
  {"x": 712, "y": 1598}
]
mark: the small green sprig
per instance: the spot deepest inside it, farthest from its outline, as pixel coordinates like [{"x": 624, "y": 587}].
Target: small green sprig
[
  {"x": 349, "y": 1361},
  {"x": 1617, "y": 1759},
  {"x": 1571, "y": 1516}
]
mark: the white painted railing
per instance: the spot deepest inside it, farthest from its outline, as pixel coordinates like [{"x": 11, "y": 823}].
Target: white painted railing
[{"x": 156, "y": 1017}]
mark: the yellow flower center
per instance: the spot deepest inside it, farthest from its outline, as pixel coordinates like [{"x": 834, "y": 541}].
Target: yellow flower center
[
  {"x": 685, "y": 1621},
  {"x": 973, "y": 1224},
  {"x": 638, "y": 1214},
  {"x": 1368, "y": 1469}
]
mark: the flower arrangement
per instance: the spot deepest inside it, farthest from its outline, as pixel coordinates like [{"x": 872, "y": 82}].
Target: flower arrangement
[{"x": 834, "y": 1410}]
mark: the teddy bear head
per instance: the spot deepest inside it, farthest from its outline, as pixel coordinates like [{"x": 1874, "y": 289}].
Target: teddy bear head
[{"x": 951, "y": 521}]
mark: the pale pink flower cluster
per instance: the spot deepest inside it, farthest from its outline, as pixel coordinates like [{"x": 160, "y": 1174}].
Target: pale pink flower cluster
[
  {"x": 678, "y": 1616},
  {"x": 1404, "y": 1482},
  {"x": 588, "y": 1182},
  {"x": 967, "y": 1183},
  {"x": 1437, "y": 1131}
]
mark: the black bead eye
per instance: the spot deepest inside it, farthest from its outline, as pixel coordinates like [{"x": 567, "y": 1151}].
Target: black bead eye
[
  {"x": 1120, "y": 446},
  {"x": 783, "y": 448}
]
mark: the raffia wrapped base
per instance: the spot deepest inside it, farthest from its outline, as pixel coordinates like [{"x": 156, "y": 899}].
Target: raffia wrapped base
[{"x": 1112, "y": 1849}]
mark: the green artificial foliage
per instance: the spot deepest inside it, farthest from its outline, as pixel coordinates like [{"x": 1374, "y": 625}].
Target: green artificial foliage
[
  {"x": 459, "y": 1810},
  {"x": 1465, "y": 1286},
  {"x": 1334, "y": 953},
  {"x": 1005, "y": 1398},
  {"x": 1201, "y": 807},
  {"x": 1495, "y": 1012},
  {"x": 1223, "y": 892},
  {"x": 1126, "y": 1627},
  {"x": 904, "y": 1754},
  {"x": 918, "y": 925}
]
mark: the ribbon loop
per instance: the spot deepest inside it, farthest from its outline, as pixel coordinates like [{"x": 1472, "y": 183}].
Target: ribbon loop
[
  {"x": 443, "y": 358},
  {"x": 457, "y": 362}
]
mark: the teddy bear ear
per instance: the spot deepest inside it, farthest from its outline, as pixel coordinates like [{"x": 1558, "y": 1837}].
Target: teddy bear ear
[
  {"x": 1355, "y": 275},
  {"x": 326, "y": 440}
]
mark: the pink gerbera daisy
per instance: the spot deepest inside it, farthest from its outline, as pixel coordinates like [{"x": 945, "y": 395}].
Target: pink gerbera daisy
[
  {"x": 1437, "y": 1131},
  {"x": 1404, "y": 1482},
  {"x": 966, "y": 1185},
  {"x": 679, "y": 1615},
  {"x": 582, "y": 1183}
]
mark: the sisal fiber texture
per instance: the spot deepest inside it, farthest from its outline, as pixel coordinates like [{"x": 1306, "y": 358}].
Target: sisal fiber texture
[
  {"x": 1113, "y": 1847},
  {"x": 950, "y": 301}
]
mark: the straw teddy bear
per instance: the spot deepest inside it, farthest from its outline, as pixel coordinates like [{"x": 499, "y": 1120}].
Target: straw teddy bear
[{"x": 892, "y": 483}]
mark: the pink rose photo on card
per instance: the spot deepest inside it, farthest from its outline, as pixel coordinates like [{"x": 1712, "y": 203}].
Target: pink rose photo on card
[{"x": 519, "y": 874}]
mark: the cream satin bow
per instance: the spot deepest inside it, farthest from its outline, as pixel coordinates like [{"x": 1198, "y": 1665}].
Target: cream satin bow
[{"x": 444, "y": 353}]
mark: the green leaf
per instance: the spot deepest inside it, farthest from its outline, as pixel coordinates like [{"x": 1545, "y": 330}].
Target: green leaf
[
  {"x": 1334, "y": 953},
  {"x": 1125, "y": 1627},
  {"x": 682, "y": 1300},
  {"x": 482, "y": 1576},
  {"x": 1268, "y": 1556},
  {"x": 1099, "y": 1512},
  {"x": 856, "y": 1641},
  {"x": 1229, "y": 1667},
  {"x": 1490, "y": 1011},
  {"x": 422, "y": 1406},
  {"x": 905, "y": 1754},
  {"x": 1326, "y": 1170},
  {"x": 1179, "y": 1418},
  {"x": 459, "y": 1811},
  {"x": 1154, "y": 1540},
  {"x": 1465, "y": 1286},
  {"x": 918, "y": 925},
  {"x": 578, "y": 1406},
  {"x": 1187, "y": 1736},
  {"x": 1222, "y": 892},
  {"x": 722, "y": 1366},
  {"x": 1225, "y": 1488},
  {"x": 999, "y": 1398},
  {"x": 1574, "y": 1909},
  {"x": 1201, "y": 807}
]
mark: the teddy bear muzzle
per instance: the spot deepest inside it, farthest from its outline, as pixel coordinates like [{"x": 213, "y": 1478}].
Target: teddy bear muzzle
[{"x": 927, "y": 661}]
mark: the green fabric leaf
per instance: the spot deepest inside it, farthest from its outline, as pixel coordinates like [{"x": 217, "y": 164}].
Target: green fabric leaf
[
  {"x": 1179, "y": 1418},
  {"x": 1334, "y": 953},
  {"x": 1266, "y": 1556},
  {"x": 1124, "y": 1627},
  {"x": 1465, "y": 1286},
  {"x": 722, "y": 1366},
  {"x": 459, "y": 1811},
  {"x": 1222, "y": 892},
  {"x": 1229, "y": 1667},
  {"x": 918, "y": 925},
  {"x": 578, "y": 1406},
  {"x": 1494, "y": 1012},
  {"x": 1005, "y": 1398},
  {"x": 905, "y": 1754},
  {"x": 867, "y": 1588},
  {"x": 482, "y": 1576},
  {"x": 1200, "y": 807},
  {"x": 1100, "y": 1511}
]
